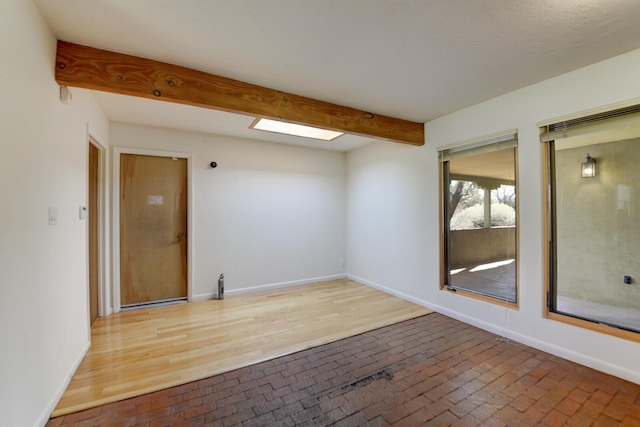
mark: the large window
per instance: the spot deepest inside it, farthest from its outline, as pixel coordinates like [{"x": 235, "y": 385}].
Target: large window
[
  {"x": 592, "y": 170},
  {"x": 479, "y": 218}
]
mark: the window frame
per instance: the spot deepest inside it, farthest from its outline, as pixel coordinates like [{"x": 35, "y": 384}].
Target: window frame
[
  {"x": 443, "y": 180},
  {"x": 549, "y": 235}
]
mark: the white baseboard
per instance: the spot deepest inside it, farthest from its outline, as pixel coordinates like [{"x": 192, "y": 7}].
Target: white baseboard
[
  {"x": 556, "y": 350},
  {"x": 393, "y": 292},
  {"x": 44, "y": 416},
  {"x": 563, "y": 352},
  {"x": 258, "y": 288}
]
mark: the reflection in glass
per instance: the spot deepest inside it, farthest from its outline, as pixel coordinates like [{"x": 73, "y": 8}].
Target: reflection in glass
[
  {"x": 597, "y": 230},
  {"x": 481, "y": 223}
]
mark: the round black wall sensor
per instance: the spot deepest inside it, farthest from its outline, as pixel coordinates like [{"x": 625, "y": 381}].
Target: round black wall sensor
[{"x": 213, "y": 164}]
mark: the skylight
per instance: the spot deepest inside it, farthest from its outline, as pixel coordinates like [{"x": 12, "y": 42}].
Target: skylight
[{"x": 294, "y": 129}]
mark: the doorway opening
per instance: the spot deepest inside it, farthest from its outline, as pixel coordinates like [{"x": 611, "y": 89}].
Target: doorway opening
[{"x": 93, "y": 225}]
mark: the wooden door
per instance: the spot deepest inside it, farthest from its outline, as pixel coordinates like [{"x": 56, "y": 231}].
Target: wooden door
[
  {"x": 153, "y": 229},
  {"x": 93, "y": 232}
]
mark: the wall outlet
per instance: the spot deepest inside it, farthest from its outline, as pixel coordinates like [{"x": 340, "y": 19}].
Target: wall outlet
[
  {"x": 53, "y": 215},
  {"x": 344, "y": 263}
]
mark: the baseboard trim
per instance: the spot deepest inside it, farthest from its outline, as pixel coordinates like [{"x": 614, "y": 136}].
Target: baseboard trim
[
  {"x": 258, "y": 288},
  {"x": 565, "y": 353},
  {"x": 554, "y": 349},
  {"x": 393, "y": 292},
  {"x": 44, "y": 416}
]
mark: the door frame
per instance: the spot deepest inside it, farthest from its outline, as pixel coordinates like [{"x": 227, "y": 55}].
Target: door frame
[
  {"x": 115, "y": 202},
  {"x": 103, "y": 291}
]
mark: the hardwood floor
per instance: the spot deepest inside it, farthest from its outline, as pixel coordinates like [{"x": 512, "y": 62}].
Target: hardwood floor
[{"x": 141, "y": 351}]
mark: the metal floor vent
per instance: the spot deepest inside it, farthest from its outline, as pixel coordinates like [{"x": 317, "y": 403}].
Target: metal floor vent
[{"x": 383, "y": 374}]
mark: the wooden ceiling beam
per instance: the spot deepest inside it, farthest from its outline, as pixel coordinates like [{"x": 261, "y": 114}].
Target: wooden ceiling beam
[{"x": 96, "y": 69}]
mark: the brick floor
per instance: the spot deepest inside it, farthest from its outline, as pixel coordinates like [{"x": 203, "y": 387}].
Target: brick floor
[{"x": 432, "y": 370}]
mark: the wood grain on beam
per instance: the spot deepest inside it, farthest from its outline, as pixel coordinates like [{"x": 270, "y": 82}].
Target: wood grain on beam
[{"x": 96, "y": 69}]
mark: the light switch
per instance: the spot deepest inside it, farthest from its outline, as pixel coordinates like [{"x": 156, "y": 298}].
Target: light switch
[
  {"x": 53, "y": 215},
  {"x": 82, "y": 212}
]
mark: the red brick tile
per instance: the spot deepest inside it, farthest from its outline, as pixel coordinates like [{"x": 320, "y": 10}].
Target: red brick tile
[
  {"x": 200, "y": 410},
  {"x": 375, "y": 410},
  {"x": 535, "y": 392},
  {"x": 538, "y": 372},
  {"x": 194, "y": 394},
  {"x": 230, "y": 420},
  {"x": 465, "y": 406},
  {"x": 377, "y": 422},
  {"x": 457, "y": 395},
  {"x": 609, "y": 387},
  {"x": 466, "y": 421},
  {"x": 531, "y": 417},
  {"x": 415, "y": 419},
  {"x": 327, "y": 418},
  {"x": 579, "y": 420},
  {"x": 493, "y": 422},
  {"x": 522, "y": 402},
  {"x": 555, "y": 418},
  {"x": 578, "y": 395},
  {"x": 352, "y": 420},
  {"x": 289, "y": 410},
  {"x": 84, "y": 415},
  {"x": 568, "y": 406},
  {"x": 507, "y": 414},
  {"x": 545, "y": 404},
  {"x": 417, "y": 403},
  {"x": 484, "y": 411},
  {"x": 330, "y": 404},
  {"x": 169, "y": 420},
  {"x": 548, "y": 383},
  {"x": 515, "y": 389},
  {"x": 629, "y": 421},
  {"x": 591, "y": 409},
  {"x": 617, "y": 411},
  {"x": 446, "y": 418},
  {"x": 588, "y": 385},
  {"x": 600, "y": 397},
  {"x": 605, "y": 421},
  {"x": 440, "y": 391}
]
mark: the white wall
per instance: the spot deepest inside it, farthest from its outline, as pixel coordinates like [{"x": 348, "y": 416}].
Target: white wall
[
  {"x": 269, "y": 214},
  {"x": 393, "y": 239},
  {"x": 43, "y": 275},
  {"x": 390, "y": 218}
]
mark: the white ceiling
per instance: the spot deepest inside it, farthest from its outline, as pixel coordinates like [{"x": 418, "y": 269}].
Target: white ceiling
[{"x": 411, "y": 59}]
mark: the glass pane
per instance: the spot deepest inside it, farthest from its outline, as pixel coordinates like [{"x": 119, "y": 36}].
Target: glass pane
[
  {"x": 481, "y": 235},
  {"x": 467, "y": 203},
  {"x": 597, "y": 231}
]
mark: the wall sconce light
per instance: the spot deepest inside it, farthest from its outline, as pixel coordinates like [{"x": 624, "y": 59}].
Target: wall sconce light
[{"x": 588, "y": 167}]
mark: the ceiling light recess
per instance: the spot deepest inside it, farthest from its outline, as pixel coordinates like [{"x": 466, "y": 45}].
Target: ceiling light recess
[{"x": 294, "y": 129}]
